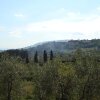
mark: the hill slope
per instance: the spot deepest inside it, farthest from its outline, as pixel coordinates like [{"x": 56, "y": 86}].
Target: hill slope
[
  {"x": 58, "y": 47},
  {"x": 65, "y": 46}
]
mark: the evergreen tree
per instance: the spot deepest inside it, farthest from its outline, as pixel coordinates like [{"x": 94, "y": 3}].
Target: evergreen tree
[
  {"x": 27, "y": 59},
  {"x": 51, "y": 55},
  {"x": 45, "y": 56},
  {"x": 36, "y": 57}
]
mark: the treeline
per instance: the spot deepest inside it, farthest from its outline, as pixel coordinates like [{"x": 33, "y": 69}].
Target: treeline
[
  {"x": 23, "y": 54},
  {"x": 74, "y": 76}
]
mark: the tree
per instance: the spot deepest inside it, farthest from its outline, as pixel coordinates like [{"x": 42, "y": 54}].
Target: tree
[
  {"x": 45, "y": 56},
  {"x": 10, "y": 79},
  {"x": 27, "y": 59},
  {"x": 51, "y": 55},
  {"x": 36, "y": 57},
  {"x": 45, "y": 82}
]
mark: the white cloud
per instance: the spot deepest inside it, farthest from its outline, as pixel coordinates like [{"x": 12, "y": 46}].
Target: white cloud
[
  {"x": 62, "y": 26},
  {"x": 65, "y": 27},
  {"x": 19, "y": 15},
  {"x": 15, "y": 33}
]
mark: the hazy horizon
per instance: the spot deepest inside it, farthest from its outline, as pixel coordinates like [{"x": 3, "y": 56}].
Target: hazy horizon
[
  {"x": 24, "y": 23},
  {"x": 39, "y": 43}
]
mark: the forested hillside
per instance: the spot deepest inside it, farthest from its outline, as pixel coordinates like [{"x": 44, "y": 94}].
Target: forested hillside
[
  {"x": 47, "y": 76},
  {"x": 65, "y": 46}
]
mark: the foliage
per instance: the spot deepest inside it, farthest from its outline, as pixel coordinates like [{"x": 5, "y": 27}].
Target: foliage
[{"x": 75, "y": 76}]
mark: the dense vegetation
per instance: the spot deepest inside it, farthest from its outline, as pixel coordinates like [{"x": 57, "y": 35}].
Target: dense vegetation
[
  {"x": 72, "y": 76},
  {"x": 64, "y": 46}
]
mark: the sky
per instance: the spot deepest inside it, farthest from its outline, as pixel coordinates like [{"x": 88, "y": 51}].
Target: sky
[{"x": 27, "y": 22}]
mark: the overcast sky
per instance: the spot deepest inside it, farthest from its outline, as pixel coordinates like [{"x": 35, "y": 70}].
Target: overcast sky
[{"x": 26, "y": 22}]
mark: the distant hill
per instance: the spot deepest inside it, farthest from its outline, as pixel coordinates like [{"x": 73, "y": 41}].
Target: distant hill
[
  {"x": 1, "y": 50},
  {"x": 64, "y": 46},
  {"x": 58, "y": 47}
]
